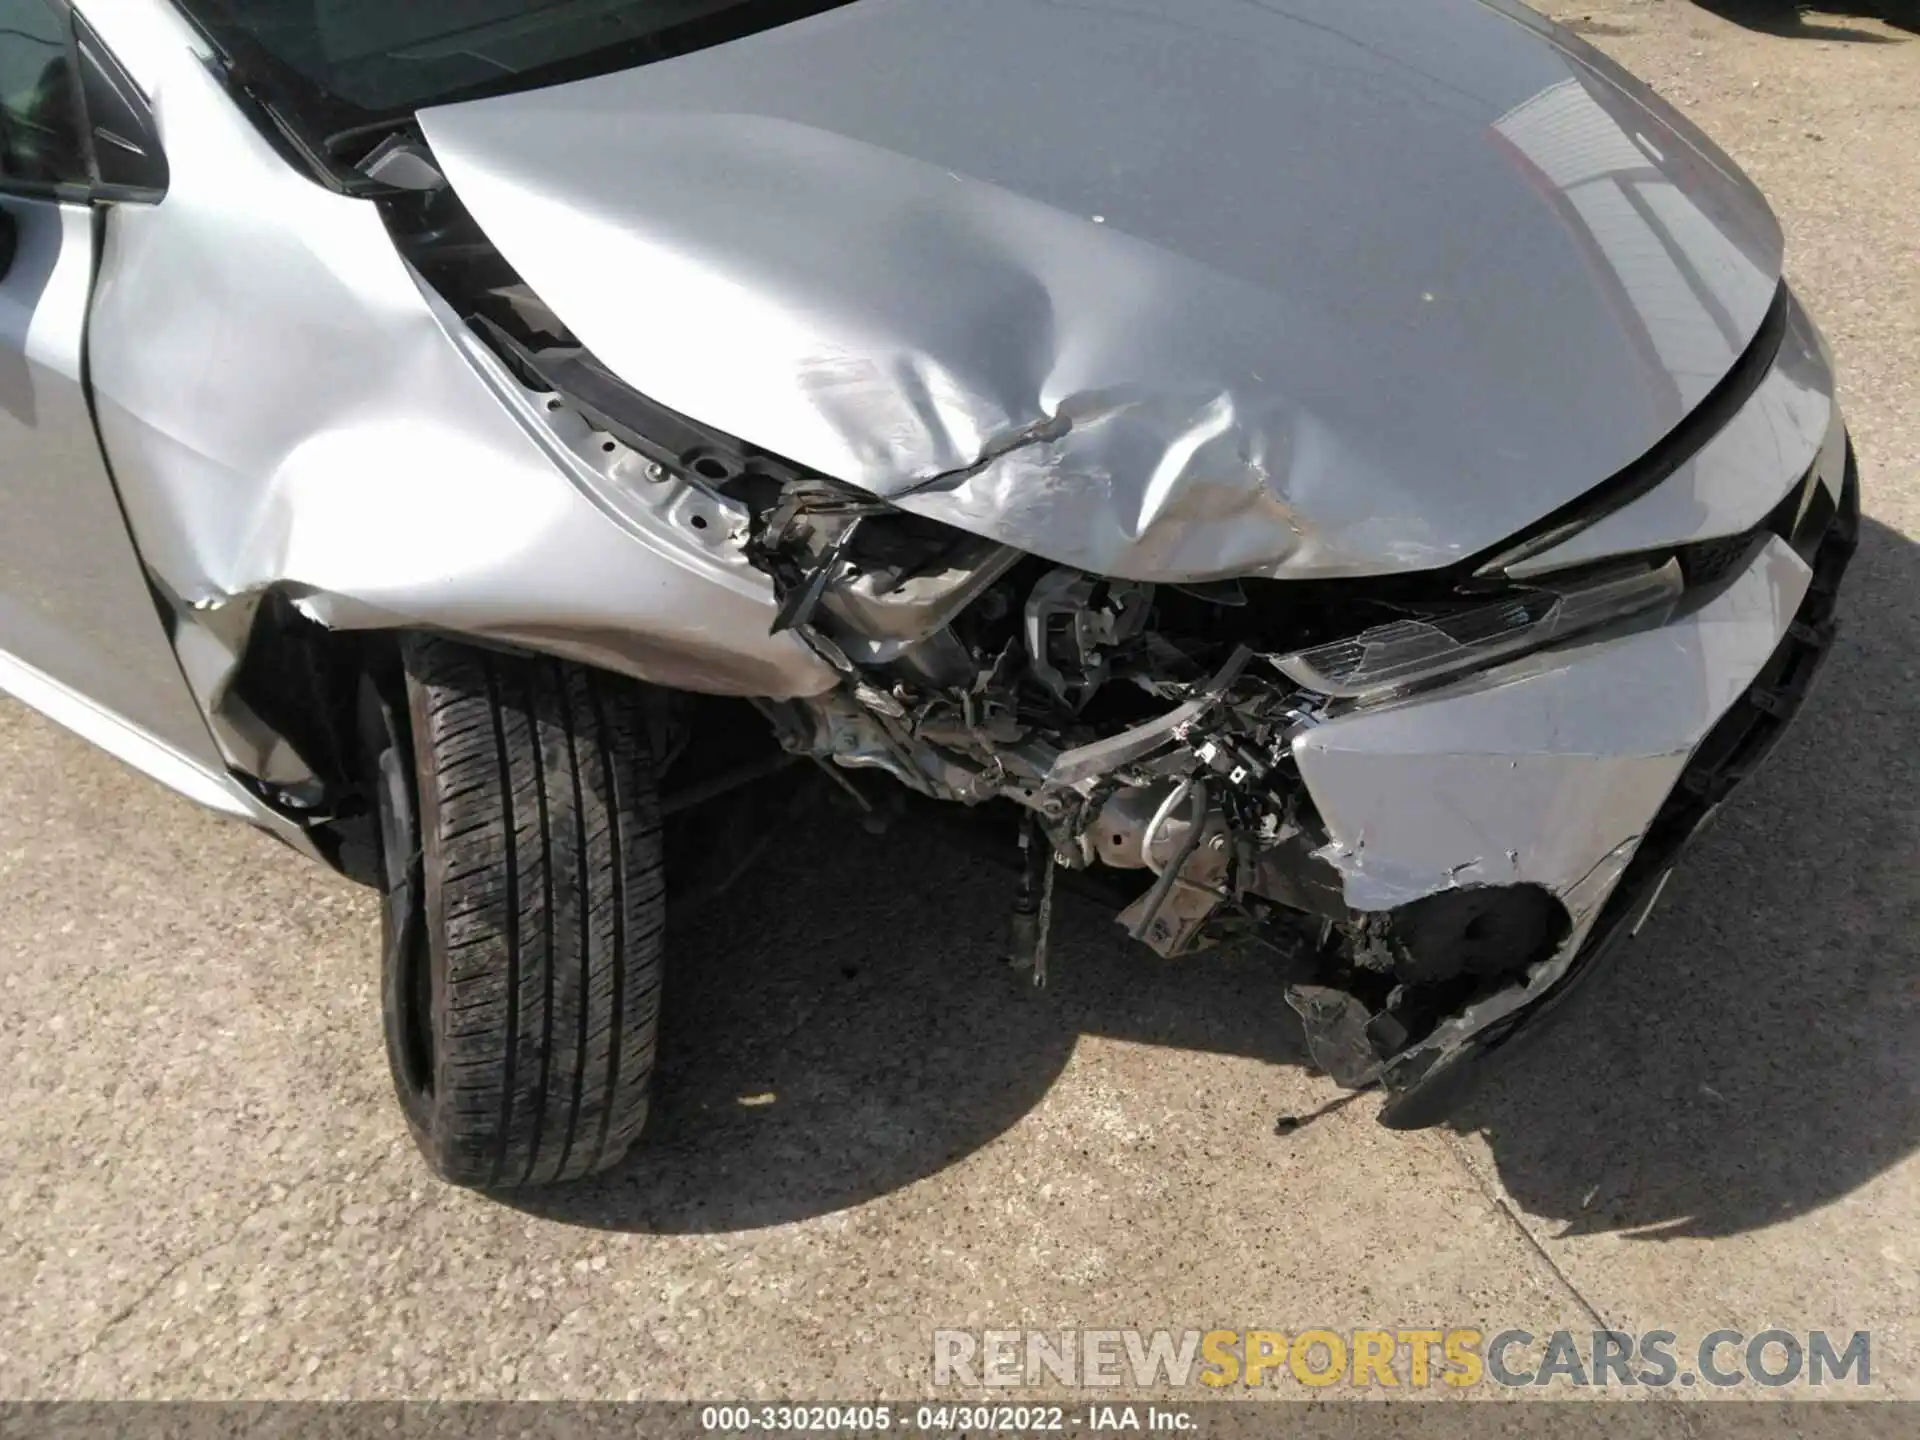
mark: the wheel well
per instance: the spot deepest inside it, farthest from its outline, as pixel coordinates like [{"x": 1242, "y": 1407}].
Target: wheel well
[{"x": 298, "y": 682}]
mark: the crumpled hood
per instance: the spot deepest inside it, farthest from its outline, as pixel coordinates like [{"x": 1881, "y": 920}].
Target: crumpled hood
[{"x": 1166, "y": 289}]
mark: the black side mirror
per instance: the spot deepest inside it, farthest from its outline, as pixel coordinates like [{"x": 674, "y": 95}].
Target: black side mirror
[
  {"x": 126, "y": 145},
  {"x": 9, "y": 242}
]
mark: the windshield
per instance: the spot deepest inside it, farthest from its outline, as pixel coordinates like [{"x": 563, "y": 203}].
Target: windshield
[{"x": 343, "y": 64}]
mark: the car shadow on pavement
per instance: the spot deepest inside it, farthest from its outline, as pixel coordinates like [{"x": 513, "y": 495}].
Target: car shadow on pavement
[
  {"x": 841, "y": 1025},
  {"x": 1789, "y": 18}
]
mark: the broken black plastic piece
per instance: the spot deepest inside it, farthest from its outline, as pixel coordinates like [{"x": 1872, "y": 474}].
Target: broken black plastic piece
[
  {"x": 1032, "y": 918},
  {"x": 1336, "y": 1027},
  {"x": 799, "y": 603}
]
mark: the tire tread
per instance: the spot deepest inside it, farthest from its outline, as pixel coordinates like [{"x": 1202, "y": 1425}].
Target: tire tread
[{"x": 545, "y": 904}]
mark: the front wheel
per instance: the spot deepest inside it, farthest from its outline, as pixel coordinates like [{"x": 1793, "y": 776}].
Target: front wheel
[{"x": 524, "y": 913}]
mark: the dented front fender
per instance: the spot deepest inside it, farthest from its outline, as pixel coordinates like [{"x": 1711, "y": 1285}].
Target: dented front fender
[{"x": 286, "y": 407}]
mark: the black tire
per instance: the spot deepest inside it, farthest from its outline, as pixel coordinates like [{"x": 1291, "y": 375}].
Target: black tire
[{"x": 524, "y": 915}]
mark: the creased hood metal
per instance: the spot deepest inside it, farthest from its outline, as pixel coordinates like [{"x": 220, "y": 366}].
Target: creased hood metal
[{"x": 1165, "y": 289}]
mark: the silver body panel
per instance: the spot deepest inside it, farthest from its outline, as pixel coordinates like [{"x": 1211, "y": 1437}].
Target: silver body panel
[
  {"x": 1544, "y": 771},
  {"x": 75, "y": 607},
  {"x": 1334, "y": 290},
  {"x": 1548, "y": 772},
  {"x": 314, "y": 420},
  {"x": 1734, "y": 480}
]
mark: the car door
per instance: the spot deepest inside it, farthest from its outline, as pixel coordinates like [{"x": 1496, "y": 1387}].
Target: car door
[{"x": 81, "y": 633}]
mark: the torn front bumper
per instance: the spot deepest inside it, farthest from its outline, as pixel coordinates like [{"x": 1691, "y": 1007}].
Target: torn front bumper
[{"x": 1584, "y": 771}]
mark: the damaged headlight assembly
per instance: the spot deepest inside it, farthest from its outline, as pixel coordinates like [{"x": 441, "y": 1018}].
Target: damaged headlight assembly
[{"x": 1408, "y": 653}]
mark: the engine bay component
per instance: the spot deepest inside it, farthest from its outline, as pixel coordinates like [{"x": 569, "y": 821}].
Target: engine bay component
[
  {"x": 1032, "y": 925},
  {"x": 1074, "y": 622},
  {"x": 1151, "y": 729}
]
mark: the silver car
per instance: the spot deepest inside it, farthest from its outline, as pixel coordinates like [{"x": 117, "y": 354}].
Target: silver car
[{"x": 1349, "y": 472}]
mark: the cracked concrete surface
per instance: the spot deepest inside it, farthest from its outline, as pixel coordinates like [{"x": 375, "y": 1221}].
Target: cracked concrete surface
[{"x": 207, "y": 1192}]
